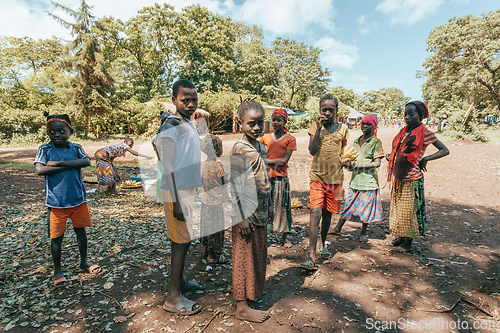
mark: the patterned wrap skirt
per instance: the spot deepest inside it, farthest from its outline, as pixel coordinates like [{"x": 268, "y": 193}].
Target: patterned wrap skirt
[
  {"x": 280, "y": 192},
  {"x": 362, "y": 206},
  {"x": 212, "y": 225},
  {"x": 106, "y": 171},
  {"x": 408, "y": 216},
  {"x": 249, "y": 260}
]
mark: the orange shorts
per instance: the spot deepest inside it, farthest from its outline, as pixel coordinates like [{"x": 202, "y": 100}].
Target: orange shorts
[
  {"x": 180, "y": 232},
  {"x": 324, "y": 195},
  {"x": 57, "y": 217}
]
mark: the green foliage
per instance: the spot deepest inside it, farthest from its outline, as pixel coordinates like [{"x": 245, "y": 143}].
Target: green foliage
[
  {"x": 464, "y": 66},
  {"x": 21, "y": 121},
  {"x": 300, "y": 72},
  {"x": 389, "y": 102},
  {"x": 222, "y": 106},
  {"x": 456, "y": 129},
  {"x": 257, "y": 72},
  {"x": 91, "y": 86},
  {"x": 147, "y": 119},
  {"x": 29, "y": 139},
  {"x": 207, "y": 50}
]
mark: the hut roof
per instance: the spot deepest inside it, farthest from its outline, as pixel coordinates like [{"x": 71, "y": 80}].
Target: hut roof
[{"x": 353, "y": 114}]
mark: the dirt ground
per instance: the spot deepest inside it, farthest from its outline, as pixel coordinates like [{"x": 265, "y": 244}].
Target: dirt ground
[{"x": 449, "y": 284}]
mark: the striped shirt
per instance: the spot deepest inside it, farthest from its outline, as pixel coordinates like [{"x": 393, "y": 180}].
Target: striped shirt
[{"x": 415, "y": 172}]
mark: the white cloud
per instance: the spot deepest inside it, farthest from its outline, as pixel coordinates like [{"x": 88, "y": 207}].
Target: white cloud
[
  {"x": 364, "y": 26},
  {"x": 408, "y": 12},
  {"x": 286, "y": 17},
  {"x": 20, "y": 22},
  {"x": 337, "y": 54}
]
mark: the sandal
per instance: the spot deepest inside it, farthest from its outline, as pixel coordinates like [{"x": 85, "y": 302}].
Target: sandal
[
  {"x": 59, "y": 283},
  {"x": 220, "y": 260},
  {"x": 192, "y": 286},
  {"x": 93, "y": 269},
  {"x": 186, "y": 304},
  {"x": 324, "y": 253},
  {"x": 309, "y": 265}
]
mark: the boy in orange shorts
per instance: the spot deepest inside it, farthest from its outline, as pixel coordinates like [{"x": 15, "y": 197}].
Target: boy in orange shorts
[
  {"x": 326, "y": 139},
  {"x": 60, "y": 161}
]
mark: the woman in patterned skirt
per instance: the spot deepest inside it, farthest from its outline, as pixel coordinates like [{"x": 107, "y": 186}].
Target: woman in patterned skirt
[{"x": 106, "y": 172}]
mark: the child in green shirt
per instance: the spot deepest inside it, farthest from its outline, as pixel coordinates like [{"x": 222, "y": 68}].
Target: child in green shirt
[{"x": 363, "y": 202}]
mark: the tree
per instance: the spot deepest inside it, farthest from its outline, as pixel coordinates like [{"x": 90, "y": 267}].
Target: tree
[
  {"x": 301, "y": 74},
  {"x": 91, "y": 87},
  {"x": 346, "y": 96},
  {"x": 257, "y": 72},
  {"x": 144, "y": 51},
  {"x": 207, "y": 49},
  {"x": 28, "y": 71},
  {"x": 389, "y": 102},
  {"x": 465, "y": 64}
]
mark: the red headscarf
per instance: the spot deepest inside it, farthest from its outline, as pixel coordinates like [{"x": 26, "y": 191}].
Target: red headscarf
[
  {"x": 371, "y": 119},
  {"x": 284, "y": 115}
]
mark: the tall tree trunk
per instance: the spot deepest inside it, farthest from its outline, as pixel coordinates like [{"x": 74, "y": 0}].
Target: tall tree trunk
[{"x": 86, "y": 113}]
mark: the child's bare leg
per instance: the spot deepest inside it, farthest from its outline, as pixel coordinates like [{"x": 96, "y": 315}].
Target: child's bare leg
[
  {"x": 325, "y": 226},
  {"x": 56, "y": 250},
  {"x": 337, "y": 229},
  {"x": 174, "y": 296},
  {"x": 283, "y": 239},
  {"x": 314, "y": 218},
  {"x": 244, "y": 312},
  {"x": 81, "y": 237},
  {"x": 362, "y": 236}
]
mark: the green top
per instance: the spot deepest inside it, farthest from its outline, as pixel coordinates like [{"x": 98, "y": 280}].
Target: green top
[{"x": 367, "y": 179}]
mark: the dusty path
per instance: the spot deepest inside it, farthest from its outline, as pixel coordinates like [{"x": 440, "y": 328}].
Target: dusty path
[{"x": 359, "y": 289}]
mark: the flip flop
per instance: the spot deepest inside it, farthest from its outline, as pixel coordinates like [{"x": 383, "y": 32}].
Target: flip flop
[
  {"x": 184, "y": 304},
  {"x": 324, "y": 253},
  {"x": 94, "y": 269},
  {"x": 309, "y": 265},
  {"x": 192, "y": 286},
  {"x": 59, "y": 283},
  {"x": 220, "y": 260}
]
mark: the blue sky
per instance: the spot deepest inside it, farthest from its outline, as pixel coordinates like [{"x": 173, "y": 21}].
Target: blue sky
[{"x": 367, "y": 44}]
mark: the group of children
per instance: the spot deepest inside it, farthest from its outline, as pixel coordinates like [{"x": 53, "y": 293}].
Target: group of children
[{"x": 259, "y": 186}]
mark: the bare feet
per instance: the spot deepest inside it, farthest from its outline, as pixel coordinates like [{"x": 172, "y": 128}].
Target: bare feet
[{"x": 244, "y": 312}]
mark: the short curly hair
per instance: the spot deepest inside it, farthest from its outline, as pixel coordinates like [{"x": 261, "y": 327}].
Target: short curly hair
[{"x": 210, "y": 144}]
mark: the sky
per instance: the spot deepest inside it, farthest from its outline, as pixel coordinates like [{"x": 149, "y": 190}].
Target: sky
[{"x": 367, "y": 44}]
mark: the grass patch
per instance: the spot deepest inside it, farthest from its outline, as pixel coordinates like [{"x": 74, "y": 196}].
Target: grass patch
[{"x": 25, "y": 166}]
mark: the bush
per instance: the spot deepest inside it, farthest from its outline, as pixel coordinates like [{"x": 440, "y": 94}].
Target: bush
[
  {"x": 471, "y": 130},
  {"x": 29, "y": 139}
]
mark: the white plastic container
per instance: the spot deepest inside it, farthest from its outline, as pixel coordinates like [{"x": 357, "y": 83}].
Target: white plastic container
[{"x": 150, "y": 188}]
